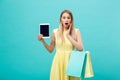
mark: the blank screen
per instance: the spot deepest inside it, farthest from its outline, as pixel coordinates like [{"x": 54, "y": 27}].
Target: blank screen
[{"x": 44, "y": 30}]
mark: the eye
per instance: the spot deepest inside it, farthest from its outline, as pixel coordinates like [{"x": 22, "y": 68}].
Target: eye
[
  {"x": 63, "y": 17},
  {"x": 68, "y": 18}
]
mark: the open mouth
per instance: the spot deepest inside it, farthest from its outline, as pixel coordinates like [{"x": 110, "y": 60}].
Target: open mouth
[{"x": 66, "y": 23}]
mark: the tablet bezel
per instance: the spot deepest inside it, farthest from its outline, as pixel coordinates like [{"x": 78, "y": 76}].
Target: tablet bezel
[{"x": 49, "y": 29}]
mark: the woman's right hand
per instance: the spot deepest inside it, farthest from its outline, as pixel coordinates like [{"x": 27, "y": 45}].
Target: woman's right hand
[{"x": 40, "y": 37}]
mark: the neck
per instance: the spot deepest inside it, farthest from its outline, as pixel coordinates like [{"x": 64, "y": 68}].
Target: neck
[{"x": 65, "y": 29}]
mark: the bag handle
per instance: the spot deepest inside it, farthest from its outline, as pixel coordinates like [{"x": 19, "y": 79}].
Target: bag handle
[{"x": 75, "y": 49}]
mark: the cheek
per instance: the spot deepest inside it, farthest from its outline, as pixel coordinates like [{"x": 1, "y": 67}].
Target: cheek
[
  {"x": 70, "y": 21},
  {"x": 62, "y": 20}
]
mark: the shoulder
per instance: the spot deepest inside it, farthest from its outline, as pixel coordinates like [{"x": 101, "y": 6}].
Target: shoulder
[
  {"x": 55, "y": 30},
  {"x": 77, "y": 30}
]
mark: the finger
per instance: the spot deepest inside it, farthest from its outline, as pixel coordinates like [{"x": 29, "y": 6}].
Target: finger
[
  {"x": 42, "y": 35},
  {"x": 39, "y": 37},
  {"x": 70, "y": 27}
]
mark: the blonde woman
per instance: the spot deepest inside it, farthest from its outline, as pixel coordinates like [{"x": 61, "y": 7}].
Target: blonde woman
[{"x": 65, "y": 39}]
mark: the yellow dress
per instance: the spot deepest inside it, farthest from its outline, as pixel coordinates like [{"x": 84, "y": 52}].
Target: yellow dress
[{"x": 60, "y": 61}]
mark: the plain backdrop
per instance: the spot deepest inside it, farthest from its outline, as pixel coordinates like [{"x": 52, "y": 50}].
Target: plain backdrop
[{"x": 23, "y": 57}]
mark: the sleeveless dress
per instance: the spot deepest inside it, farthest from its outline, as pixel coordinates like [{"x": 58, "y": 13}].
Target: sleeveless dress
[{"x": 60, "y": 61}]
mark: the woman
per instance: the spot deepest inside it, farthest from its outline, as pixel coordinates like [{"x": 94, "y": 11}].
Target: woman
[{"x": 65, "y": 38}]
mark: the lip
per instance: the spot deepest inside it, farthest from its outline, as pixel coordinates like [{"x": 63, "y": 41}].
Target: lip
[{"x": 66, "y": 23}]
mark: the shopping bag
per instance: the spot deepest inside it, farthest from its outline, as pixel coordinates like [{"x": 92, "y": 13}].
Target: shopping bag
[
  {"x": 87, "y": 67},
  {"x": 77, "y": 65}
]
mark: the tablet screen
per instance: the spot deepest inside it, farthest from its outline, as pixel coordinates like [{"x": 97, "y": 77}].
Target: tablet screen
[{"x": 44, "y": 30}]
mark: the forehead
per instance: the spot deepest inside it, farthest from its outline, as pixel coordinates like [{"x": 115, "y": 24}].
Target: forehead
[{"x": 66, "y": 14}]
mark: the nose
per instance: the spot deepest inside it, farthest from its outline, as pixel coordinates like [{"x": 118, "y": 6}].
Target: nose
[{"x": 66, "y": 20}]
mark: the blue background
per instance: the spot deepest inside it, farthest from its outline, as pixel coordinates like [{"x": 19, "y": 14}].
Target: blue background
[{"x": 23, "y": 57}]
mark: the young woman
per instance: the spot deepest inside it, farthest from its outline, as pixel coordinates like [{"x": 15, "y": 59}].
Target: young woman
[{"x": 65, "y": 39}]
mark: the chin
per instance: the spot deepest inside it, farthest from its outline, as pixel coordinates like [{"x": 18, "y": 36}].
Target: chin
[{"x": 67, "y": 27}]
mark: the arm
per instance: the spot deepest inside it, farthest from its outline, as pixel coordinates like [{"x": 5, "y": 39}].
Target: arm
[
  {"x": 78, "y": 42},
  {"x": 50, "y": 47}
]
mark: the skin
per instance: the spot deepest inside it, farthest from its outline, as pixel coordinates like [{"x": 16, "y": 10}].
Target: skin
[{"x": 66, "y": 22}]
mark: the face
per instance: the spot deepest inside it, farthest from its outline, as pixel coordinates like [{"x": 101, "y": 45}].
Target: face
[{"x": 66, "y": 20}]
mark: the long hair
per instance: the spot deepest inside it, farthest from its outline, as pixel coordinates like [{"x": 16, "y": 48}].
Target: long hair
[{"x": 72, "y": 31}]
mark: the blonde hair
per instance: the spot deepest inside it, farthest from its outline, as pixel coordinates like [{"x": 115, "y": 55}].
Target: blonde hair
[{"x": 72, "y": 31}]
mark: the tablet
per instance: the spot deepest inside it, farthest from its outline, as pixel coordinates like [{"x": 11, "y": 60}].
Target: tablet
[{"x": 44, "y": 29}]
